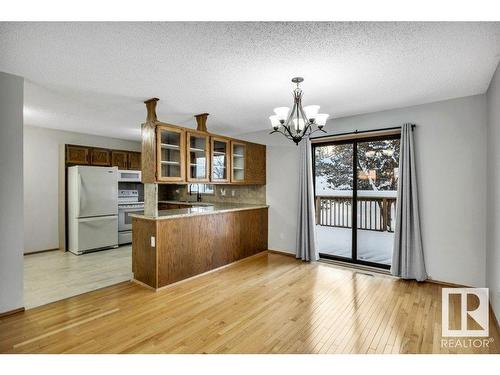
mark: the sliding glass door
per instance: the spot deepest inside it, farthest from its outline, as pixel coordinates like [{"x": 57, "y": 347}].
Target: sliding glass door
[
  {"x": 334, "y": 198},
  {"x": 355, "y": 196}
]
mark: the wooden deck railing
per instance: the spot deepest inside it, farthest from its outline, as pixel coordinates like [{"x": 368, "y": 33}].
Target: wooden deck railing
[{"x": 374, "y": 213}]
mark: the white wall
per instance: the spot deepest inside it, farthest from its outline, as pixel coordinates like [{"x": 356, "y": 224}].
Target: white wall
[
  {"x": 493, "y": 194},
  {"x": 43, "y": 188},
  {"x": 11, "y": 192},
  {"x": 451, "y": 157},
  {"x": 281, "y": 188}
]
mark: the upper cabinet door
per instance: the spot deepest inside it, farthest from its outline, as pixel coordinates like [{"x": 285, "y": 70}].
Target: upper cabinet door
[
  {"x": 77, "y": 155},
  {"x": 238, "y": 163},
  {"x": 119, "y": 159},
  {"x": 100, "y": 157},
  {"x": 198, "y": 154},
  {"x": 255, "y": 169},
  {"x": 221, "y": 155},
  {"x": 171, "y": 151},
  {"x": 134, "y": 161}
]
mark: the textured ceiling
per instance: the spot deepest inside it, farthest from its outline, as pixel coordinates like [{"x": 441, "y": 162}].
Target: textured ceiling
[{"x": 93, "y": 77}]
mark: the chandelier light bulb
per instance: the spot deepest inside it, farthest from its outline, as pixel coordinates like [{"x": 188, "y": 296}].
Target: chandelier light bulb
[
  {"x": 282, "y": 113},
  {"x": 311, "y": 111},
  {"x": 321, "y": 119},
  {"x": 275, "y": 122}
]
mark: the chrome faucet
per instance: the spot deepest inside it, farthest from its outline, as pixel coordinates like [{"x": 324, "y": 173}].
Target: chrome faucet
[{"x": 198, "y": 193}]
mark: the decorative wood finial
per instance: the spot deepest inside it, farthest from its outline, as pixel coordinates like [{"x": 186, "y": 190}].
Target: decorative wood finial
[
  {"x": 201, "y": 119},
  {"x": 151, "y": 108}
]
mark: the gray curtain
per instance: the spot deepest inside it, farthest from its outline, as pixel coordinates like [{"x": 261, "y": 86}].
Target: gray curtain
[
  {"x": 408, "y": 254},
  {"x": 306, "y": 237}
]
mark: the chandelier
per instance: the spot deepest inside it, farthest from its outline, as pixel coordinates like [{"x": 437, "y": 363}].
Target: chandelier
[{"x": 299, "y": 122}]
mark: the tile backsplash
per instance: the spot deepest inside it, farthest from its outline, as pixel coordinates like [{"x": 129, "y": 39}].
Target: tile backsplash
[{"x": 252, "y": 194}]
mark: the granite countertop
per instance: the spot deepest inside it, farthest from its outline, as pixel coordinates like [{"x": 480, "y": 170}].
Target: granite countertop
[
  {"x": 193, "y": 203},
  {"x": 199, "y": 208}
]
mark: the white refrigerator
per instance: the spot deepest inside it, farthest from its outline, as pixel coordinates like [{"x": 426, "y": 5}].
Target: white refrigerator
[{"x": 92, "y": 208}]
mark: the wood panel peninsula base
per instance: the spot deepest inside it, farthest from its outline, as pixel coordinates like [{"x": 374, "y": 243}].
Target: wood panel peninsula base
[{"x": 166, "y": 249}]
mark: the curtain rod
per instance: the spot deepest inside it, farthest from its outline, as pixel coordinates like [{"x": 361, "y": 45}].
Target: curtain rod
[{"x": 361, "y": 132}]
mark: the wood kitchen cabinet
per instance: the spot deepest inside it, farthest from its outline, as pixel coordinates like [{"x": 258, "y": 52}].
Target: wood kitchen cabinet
[
  {"x": 86, "y": 155},
  {"x": 183, "y": 155},
  {"x": 198, "y": 156},
  {"x": 126, "y": 159},
  {"x": 181, "y": 252},
  {"x": 255, "y": 166},
  {"x": 238, "y": 161},
  {"x": 175, "y": 154},
  {"x": 220, "y": 152},
  {"x": 119, "y": 159},
  {"x": 134, "y": 161},
  {"x": 248, "y": 163},
  {"x": 171, "y": 154},
  {"x": 77, "y": 155},
  {"x": 100, "y": 157}
]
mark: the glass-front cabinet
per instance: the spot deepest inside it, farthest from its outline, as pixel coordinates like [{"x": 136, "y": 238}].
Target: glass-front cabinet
[
  {"x": 220, "y": 160},
  {"x": 238, "y": 152},
  {"x": 198, "y": 154},
  {"x": 170, "y": 153},
  {"x": 191, "y": 156}
]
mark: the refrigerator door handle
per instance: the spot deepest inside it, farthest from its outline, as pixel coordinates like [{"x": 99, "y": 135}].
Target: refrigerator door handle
[
  {"x": 79, "y": 194},
  {"x": 96, "y": 218}
]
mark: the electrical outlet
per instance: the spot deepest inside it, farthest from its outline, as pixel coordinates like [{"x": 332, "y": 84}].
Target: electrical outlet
[
  {"x": 233, "y": 192},
  {"x": 153, "y": 241}
]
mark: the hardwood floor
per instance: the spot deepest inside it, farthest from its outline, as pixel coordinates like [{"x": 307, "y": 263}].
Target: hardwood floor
[
  {"x": 268, "y": 303},
  {"x": 56, "y": 275}
]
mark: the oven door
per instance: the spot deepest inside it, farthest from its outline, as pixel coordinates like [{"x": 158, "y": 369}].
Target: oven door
[{"x": 124, "y": 219}]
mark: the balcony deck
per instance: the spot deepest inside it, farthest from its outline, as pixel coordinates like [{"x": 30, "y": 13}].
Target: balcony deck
[
  {"x": 375, "y": 223},
  {"x": 373, "y": 246}
]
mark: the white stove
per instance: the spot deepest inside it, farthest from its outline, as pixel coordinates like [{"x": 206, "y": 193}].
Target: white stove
[
  {"x": 131, "y": 205},
  {"x": 128, "y": 203},
  {"x": 128, "y": 196}
]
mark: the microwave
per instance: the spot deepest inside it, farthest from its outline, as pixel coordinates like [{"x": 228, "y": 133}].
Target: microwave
[{"x": 129, "y": 176}]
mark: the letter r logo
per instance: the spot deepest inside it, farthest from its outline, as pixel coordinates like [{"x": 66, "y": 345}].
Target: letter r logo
[{"x": 478, "y": 314}]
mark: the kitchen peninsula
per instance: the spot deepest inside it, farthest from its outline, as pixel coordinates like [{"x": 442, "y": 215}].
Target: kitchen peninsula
[{"x": 173, "y": 239}]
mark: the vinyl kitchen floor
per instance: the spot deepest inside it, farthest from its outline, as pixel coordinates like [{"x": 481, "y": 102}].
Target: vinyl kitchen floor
[{"x": 57, "y": 275}]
